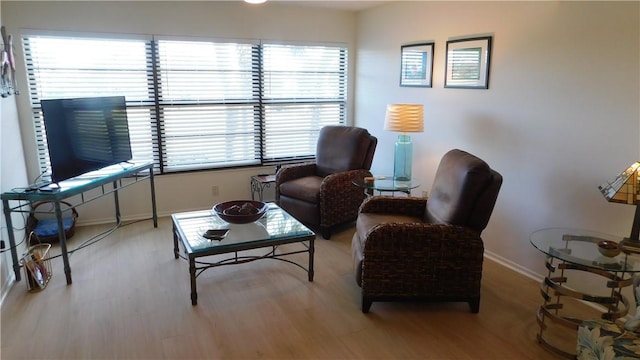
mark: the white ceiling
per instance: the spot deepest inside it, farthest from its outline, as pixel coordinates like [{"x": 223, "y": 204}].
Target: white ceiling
[{"x": 334, "y": 4}]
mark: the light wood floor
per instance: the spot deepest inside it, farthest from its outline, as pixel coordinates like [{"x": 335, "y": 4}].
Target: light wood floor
[{"x": 130, "y": 299}]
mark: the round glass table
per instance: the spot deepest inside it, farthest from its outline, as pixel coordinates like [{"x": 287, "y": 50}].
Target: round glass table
[
  {"x": 578, "y": 250},
  {"x": 385, "y": 184}
]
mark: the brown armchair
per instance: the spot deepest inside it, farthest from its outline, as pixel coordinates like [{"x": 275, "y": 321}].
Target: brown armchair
[
  {"x": 322, "y": 194},
  {"x": 408, "y": 248}
]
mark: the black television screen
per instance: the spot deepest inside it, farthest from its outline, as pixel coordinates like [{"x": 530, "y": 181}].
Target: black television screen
[{"x": 85, "y": 134}]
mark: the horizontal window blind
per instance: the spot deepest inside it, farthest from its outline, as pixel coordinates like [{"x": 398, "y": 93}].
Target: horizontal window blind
[
  {"x": 209, "y": 104},
  {"x": 69, "y": 67},
  {"x": 197, "y": 104},
  {"x": 304, "y": 89}
]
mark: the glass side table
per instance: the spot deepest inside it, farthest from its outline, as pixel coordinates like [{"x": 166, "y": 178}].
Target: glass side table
[
  {"x": 577, "y": 250},
  {"x": 385, "y": 184}
]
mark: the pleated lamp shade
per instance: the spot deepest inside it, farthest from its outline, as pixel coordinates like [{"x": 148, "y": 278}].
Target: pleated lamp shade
[{"x": 404, "y": 118}]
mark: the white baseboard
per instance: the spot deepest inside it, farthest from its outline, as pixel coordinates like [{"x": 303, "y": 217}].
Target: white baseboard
[
  {"x": 513, "y": 266},
  {"x": 7, "y": 286}
]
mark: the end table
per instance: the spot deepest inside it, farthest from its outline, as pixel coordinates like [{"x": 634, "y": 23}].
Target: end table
[
  {"x": 259, "y": 183},
  {"x": 386, "y": 184},
  {"x": 577, "y": 250}
]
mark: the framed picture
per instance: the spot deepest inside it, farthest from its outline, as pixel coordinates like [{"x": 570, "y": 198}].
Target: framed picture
[
  {"x": 416, "y": 67},
  {"x": 467, "y": 64}
]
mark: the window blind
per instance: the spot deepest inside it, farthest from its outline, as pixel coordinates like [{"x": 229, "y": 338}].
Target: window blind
[
  {"x": 304, "y": 89},
  {"x": 69, "y": 67},
  {"x": 197, "y": 104},
  {"x": 208, "y": 103}
]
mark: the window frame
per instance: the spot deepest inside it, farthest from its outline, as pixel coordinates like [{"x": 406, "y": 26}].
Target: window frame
[{"x": 157, "y": 106}]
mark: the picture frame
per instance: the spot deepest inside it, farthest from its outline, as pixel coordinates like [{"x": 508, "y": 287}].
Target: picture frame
[
  {"x": 468, "y": 62},
  {"x": 416, "y": 69}
]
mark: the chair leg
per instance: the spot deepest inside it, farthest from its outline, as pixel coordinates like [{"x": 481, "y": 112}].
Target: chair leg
[
  {"x": 325, "y": 232},
  {"x": 474, "y": 304},
  {"x": 366, "y": 304}
]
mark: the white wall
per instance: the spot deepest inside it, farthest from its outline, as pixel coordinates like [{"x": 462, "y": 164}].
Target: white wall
[
  {"x": 12, "y": 173},
  {"x": 560, "y": 117}
]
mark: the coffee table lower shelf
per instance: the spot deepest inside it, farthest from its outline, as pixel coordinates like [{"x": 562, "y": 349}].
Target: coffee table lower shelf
[
  {"x": 197, "y": 267},
  {"x": 284, "y": 230}
]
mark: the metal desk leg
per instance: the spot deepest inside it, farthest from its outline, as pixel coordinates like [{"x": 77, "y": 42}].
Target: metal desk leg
[
  {"x": 63, "y": 242},
  {"x": 116, "y": 201},
  {"x": 153, "y": 198},
  {"x": 12, "y": 239}
]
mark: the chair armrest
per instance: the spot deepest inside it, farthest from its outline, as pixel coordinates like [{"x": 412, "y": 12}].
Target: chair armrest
[
  {"x": 343, "y": 182},
  {"x": 411, "y": 206},
  {"x": 340, "y": 198}
]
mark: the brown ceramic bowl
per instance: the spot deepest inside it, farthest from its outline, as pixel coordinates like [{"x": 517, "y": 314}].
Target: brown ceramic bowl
[
  {"x": 608, "y": 248},
  {"x": 240, "y": 211}
]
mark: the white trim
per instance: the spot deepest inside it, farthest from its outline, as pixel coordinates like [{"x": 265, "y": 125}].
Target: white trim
[
  {"x": 205, "y": 39},
  {"x": 7, "y": 286},
  {"x": 513, "y": 266},
  {"x": 82, "y": 34}
]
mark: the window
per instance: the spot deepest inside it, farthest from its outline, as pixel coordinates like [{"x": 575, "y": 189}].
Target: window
[
  {"x": 73, "y": 67},
  {"x": 304, "y": 89},
  {"x": 197, "y": 104},
  {"x": 209, "y": 104}
]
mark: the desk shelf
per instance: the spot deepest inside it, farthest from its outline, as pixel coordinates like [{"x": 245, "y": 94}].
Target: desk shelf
[{"x": 119, "y": 178}]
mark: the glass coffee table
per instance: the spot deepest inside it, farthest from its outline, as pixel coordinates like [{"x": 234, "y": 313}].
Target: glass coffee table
[{"x": 276, "y": 227}]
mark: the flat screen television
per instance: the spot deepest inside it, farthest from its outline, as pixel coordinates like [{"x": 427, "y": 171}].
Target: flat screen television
[{"x": 85, "y": 134}]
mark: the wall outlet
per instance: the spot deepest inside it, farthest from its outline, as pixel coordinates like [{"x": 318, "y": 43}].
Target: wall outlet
[
  {"x": 215, "y": 191},
  {"x": 425, "y": 194}
]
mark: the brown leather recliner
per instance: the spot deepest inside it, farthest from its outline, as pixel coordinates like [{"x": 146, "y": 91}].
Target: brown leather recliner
[
  {"x": 408, "y": 248},
  {"x": 322, "y": 194}
]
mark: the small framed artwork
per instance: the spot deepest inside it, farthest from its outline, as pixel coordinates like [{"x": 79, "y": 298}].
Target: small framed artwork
[
  {"x": 416, "y": 64},
  {"x": 467, "y": 64}
]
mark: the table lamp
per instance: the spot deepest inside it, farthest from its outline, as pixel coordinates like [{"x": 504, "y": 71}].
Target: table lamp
[
  {"x": 625, "y": 189},
  {"x": 404, "y": 118}
]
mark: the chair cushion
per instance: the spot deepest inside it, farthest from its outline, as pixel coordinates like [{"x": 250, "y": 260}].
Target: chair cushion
[
  {"x": 305, "y": 188},
  {"x": 459, "y": 182},
  {"x": 342, "y": 148},
  {"x": 306, "y": 212}
]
